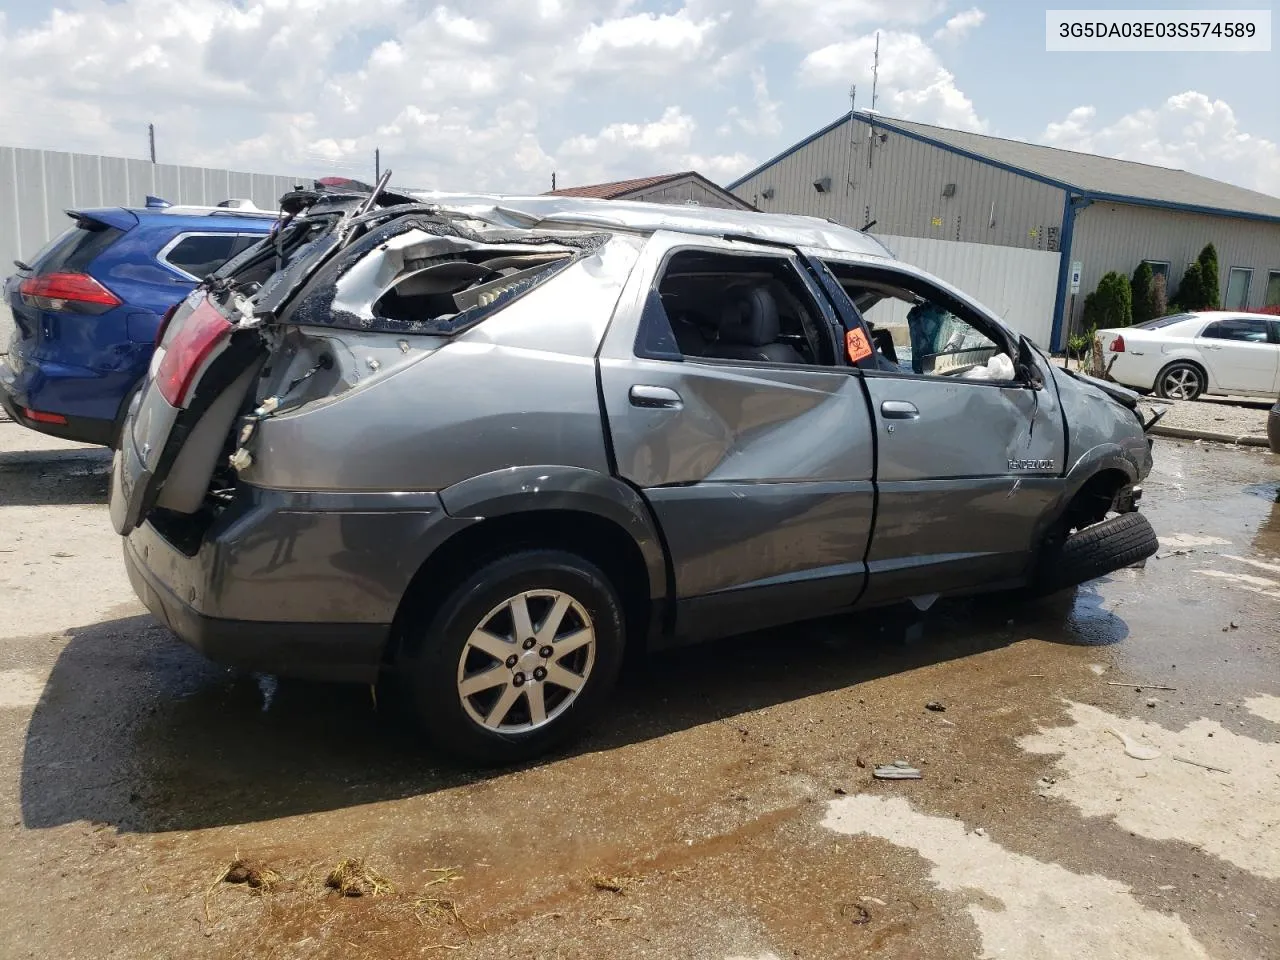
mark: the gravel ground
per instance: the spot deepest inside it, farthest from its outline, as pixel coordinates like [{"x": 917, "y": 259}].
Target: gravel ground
[{"x": 1237, "y": 418}]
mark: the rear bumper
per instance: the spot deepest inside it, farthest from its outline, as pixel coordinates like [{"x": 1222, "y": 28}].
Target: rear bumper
[
  {"x": 30, "y": 388},
  {"x": 313, "y": 651},
  {"x": 296, "y": 584}
]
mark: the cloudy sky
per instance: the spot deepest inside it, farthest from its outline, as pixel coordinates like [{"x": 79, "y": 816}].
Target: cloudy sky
[{"x": 497, "y": 94}]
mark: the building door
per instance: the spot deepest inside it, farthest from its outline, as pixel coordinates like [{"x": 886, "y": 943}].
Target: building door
[{"x": 1237, "y": 297}]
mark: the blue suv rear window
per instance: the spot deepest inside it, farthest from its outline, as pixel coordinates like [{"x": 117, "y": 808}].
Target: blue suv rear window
[{"x": 77, "y": 248}]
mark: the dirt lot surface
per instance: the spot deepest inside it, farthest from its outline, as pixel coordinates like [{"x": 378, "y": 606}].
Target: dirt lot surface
[{"x": 726, "y": 807}]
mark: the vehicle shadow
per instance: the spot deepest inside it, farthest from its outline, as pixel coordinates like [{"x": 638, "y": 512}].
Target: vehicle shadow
[
  {"x": 58, "y": 482},
  {"x": 136, "y": 731}
]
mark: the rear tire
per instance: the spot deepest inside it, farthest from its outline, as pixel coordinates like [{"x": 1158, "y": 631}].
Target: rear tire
[
  {"x": 477, "y": 681},
  {"x": 1098, "y": 550},
  {"x": 1180, "y": 381}
]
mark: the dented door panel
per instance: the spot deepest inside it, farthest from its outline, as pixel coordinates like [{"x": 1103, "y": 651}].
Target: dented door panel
[
  {"x": 760, "y": 475},
  {"x": 965, "y": 469}
]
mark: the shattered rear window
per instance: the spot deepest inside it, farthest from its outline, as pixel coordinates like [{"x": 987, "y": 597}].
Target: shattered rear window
[{"x": 445, "y": 292}]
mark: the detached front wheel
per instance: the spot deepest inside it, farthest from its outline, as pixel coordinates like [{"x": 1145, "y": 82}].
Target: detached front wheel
[
  {"x": 1098, "y": 550},
  {"x": 518, "y": 658}
]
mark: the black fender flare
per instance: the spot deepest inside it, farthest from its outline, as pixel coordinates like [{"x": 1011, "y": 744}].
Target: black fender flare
[{"x": 529, "y": 489}]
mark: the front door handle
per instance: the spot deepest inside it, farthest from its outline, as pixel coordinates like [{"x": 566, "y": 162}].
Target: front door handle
[
  {"x": 899, "y": 410},
  {"x": 655, "y": 398}
]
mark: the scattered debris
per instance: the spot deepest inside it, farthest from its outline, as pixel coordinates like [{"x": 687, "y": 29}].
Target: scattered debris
[
  {"x": 840, "y": 791},
  {"x": 876, "y": 900},
  {"x": 1134, "y": 749},
  {"x": 1233, "y": 625},
  {"x": 255, "y": 875},
  {"x": 936, "y": 706},
  {"x": 861, "y": 764},
  {"x": 1174, "y": 553},
  {"x": 980, "y": 831},
  {"x": 898, "y": 770},
  {"x": 619, "y": 885},
  {"x": 355, "y": 878},
  {"x": 1152, "y": 701},
  {"x": 1138, "y": 686},
  {"x": 1202, "y": 766},
  {"x": 945, "y": 722},
  {"x": 855, "y": 912}
]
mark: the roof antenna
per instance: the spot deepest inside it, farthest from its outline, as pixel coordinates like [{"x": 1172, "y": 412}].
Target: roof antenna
[
  {"x": 875, "y": 73},
  {"x": 875, "y": 82},
  {"x": 848, "y": 179}
]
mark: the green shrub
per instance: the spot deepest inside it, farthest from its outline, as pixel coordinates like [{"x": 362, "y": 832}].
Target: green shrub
[
  {"x": 1140, "y": 288},
  {"x": 1208, "y": 261},
  {"x": 1191, "y": 293},
  {"x": 1113, "y": 301}
]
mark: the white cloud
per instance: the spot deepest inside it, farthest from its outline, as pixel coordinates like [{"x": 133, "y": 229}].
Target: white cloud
[
  {"x": 912, "y": 84},
  {"x": 960, "y": 25},
  {"x": 764, "y": 120},
  {"x": 659, "y": 146},
  {"x": 1188, "y": 131},
  {"x": 669, "y": 35}
]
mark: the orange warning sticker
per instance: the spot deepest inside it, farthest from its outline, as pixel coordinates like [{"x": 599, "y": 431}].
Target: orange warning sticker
[{"x": 856, "y": 345}]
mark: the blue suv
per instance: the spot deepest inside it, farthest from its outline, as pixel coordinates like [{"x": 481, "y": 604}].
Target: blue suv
[{"x": 87, "y": 308}]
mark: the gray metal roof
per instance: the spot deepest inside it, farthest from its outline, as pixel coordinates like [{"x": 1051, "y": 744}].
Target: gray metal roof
[
  {"x": 1086, "y": 173},
  {"x": 1093, "y": 174},
  {"x": 638, "y": 216}
]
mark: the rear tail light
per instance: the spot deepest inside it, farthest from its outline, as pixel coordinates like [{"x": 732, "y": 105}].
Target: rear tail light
[
  {"x": 58, "y": 291},
  {"x": 1117, "y": 345},
  {"x": 39, "y": 416},
  {"x": 188, "y": 351},
  {"x": 164, "y": 321}
]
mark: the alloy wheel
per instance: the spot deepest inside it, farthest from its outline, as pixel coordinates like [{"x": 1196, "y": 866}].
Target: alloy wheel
[
  {"x": 526, "y": 661},
  {"x": 1181, "y": 383}
]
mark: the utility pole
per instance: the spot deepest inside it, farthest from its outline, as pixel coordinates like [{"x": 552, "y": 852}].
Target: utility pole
[
  {"x": 151, "y": 136},
  {"x": 377, "y": 164},
  {"x": 553, "y": 179}
]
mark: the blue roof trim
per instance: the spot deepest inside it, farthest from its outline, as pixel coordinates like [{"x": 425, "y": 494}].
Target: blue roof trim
[
  {"x": 888, "y": 124},
  {"x": 789, "y": 151},
  {"x": 1184, "y": 207},
  {"x": 879, "y": 121}
]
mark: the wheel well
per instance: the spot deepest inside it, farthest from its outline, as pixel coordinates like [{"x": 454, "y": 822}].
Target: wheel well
[
  {"x": 1094, "y": 498},
  {"x": 588, "y": 535},
  {"x": 1188, "y": 362}
]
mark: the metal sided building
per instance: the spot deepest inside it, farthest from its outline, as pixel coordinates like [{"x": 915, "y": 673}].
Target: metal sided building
[{"x": 1011, "y": 222}]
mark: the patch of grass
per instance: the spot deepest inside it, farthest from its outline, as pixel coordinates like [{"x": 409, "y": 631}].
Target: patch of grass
[{"x": 355, "y": 878}]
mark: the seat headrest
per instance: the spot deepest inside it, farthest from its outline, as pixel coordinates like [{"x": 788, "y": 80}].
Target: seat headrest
[{"x": 749, "y": 317}]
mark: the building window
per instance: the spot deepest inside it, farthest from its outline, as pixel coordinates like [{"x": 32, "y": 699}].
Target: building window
[
  {"x": 1238, "y": 280},
  {"x": 1159, "y": 268},
  {"x": 1273, "y": 289}
]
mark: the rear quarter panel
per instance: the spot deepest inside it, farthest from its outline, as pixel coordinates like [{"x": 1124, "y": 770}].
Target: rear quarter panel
[{"x": 518, "y": 389}]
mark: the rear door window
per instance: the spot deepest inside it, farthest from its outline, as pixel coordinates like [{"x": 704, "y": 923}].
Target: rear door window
[
  {"x": 1238, "y": 329},
  {"x": 200, "y": 254}
]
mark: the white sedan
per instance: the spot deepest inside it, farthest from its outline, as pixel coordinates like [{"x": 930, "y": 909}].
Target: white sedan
[{"x": 1187, "y": 354}]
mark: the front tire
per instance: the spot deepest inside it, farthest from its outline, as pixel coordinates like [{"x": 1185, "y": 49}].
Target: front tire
[
  {"x": 517, "y": 659},
  {"x": 1097, "y": 550},
  {"x": 1180, "y": 381}
]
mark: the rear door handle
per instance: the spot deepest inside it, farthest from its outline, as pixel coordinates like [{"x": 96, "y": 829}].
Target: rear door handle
[
  {"x": 655, "y": 398},
  {"x": 899, "y": 410}
]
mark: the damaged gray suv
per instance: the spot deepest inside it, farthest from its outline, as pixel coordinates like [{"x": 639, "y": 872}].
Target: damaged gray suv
[{"x": 480, "y": 446}]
